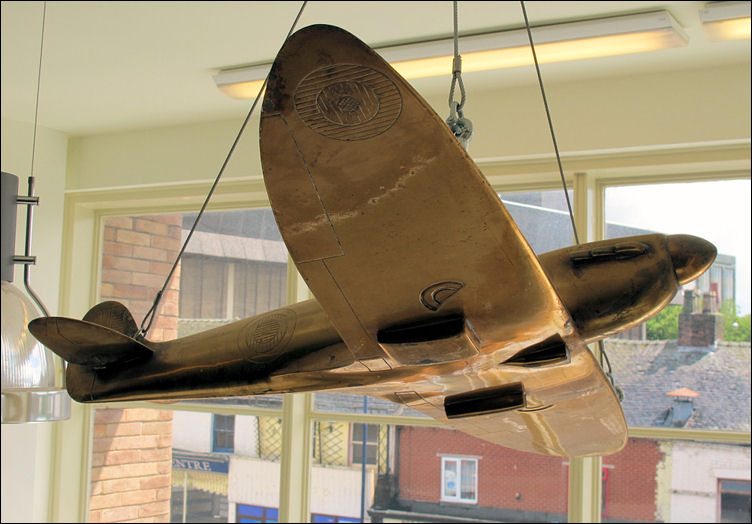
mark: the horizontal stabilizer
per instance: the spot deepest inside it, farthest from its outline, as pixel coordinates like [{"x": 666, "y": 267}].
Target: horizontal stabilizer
[{"x": 104, "y": 337}]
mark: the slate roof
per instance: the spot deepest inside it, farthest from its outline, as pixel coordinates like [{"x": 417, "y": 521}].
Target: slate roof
[
  {"x": 246, "y": 223},
  {"x": 547, "y": 226},
  {"x": 647, "y": 370}
]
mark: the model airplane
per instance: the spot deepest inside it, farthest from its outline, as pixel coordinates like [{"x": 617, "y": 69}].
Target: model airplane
[{"x": 427, "y": 294}]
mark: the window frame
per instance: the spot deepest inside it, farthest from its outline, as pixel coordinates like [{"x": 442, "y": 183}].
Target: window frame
[
  {"x": 224, "y": 432},
  {"x": 720, "y": 491},
  {"x": 593, "y": 172},
  {"x": 359, "y": 443},
  {"x": 460, "y": 461}
]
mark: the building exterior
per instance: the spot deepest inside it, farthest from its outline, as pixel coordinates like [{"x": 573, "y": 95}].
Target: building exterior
[
  {"x": 226, "y": 467},
  {"x": 650, "y": 480}
]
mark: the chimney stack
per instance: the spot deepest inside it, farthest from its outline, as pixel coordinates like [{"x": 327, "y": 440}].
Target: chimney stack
[{"x": 700, "y": 324}]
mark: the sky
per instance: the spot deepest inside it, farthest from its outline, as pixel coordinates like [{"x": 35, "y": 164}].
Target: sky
[{"x": 716, "y": 211}]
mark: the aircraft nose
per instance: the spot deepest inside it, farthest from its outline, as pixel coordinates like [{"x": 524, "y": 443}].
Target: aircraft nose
[{"x": 691, "y": 256}]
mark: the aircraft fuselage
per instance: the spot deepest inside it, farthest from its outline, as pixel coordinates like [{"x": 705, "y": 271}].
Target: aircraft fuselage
[{"x": 607, "y": 286}]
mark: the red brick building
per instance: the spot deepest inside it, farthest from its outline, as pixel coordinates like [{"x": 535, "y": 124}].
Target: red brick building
[{"x": 513, "y": 485}]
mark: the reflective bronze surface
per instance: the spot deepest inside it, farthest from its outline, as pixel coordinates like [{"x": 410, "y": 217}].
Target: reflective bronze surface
[{"x": 427, "y": 294}]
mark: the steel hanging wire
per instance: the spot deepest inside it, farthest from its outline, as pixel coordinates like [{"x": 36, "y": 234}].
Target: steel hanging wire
[
  {"x": 601, "y": 346},
  {"x": 149, "y": 317},
  {"x": 461, "y": 127},
  {"x": 550, "y": 121},
  {"x": 30, "y": 206}
]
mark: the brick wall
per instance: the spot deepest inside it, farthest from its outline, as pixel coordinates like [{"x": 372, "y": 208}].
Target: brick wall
[
  {"x": 137, "y": 254},
  {"x": 131, "y": 466},
  {"x": 632, "y": 486},
  {"x": 540, "y": 480},
  {"x": 525, "y": 482},
  {"x": 132, "y": 456},
  {"x": 700, "y": 324}
]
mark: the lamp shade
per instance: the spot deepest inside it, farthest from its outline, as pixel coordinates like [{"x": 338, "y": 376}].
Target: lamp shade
[{"x": 32, "y": 376}]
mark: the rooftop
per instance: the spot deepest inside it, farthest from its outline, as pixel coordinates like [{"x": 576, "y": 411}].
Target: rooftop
[{"x": 648, "y": 370}]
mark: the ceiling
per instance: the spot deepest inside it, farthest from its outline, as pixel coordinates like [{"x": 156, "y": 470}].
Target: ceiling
[{"x": 113, "y": 66}]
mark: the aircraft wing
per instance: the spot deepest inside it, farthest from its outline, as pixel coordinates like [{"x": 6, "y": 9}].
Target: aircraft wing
[
  {"x": 566, "y": 409},
  {"x": 385, "y": 215},
  {"x": 398, "y": 234}
]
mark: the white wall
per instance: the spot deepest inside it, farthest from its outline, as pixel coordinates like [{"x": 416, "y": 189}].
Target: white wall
[
  {"x": 27, "y": 448},
  {"x": 246, "y": 435},
  {"x": 649, "y": 110},
  {"x": 49, "y": 173},
  {"x": 696, "y": 468},
  {"x": 334, "y": 490},
  {"x": 192, "y": 431}
]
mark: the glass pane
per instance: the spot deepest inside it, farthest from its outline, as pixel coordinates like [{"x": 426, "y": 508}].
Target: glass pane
[
  {"x": 160, "y": 464},
  {"x": 468, "y": 480},
  {"x": 341, "y": 486},
  {"x": 543, "y": 218},
  {"x": 371, "y": 436},
  {"x": 689, "y": 366},
  {"x": 450, "y": 477},
  {"x": 656, "y": 480},
  {"x": 244, "y": 484},
  {"x": 131, "y": 459},
  {"x": 440, "y": 471},
  {"x": 349, "y": 403}
]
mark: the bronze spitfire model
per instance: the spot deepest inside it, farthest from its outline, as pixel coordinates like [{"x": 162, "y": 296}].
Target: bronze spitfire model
[{"x": 427, "y": 294}]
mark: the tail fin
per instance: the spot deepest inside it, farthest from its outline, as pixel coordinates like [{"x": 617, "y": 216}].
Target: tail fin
[
  {"x": 105, "y": 336},
  {"x": 113, "y": 315}
]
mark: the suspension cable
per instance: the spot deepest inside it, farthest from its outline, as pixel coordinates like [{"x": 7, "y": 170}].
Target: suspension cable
[
  {"x": 30, "y": 207},
  {"x": 461, "y": 127},
  {"x": 550, "y": 122},
  {"x": 149, "y": 317},
  {"x": 456, "y": 69},
  {"x": 601, "y": 346}
]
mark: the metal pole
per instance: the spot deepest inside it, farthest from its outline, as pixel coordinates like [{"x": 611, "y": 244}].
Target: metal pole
[
  {"x": 27, "y": 259},
  {"x": 363, "y": 465},
  {"x": 185, "y": 494}
]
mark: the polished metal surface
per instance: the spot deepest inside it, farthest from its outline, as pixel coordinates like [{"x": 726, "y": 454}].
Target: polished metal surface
[
  {"x": 33, "y": 387},
  {"x": 427, "y": 294},
  {"x": 35, "y": 405}
]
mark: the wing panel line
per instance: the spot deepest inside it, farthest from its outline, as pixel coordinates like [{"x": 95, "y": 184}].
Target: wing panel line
[{"x": 316, "y": 189}]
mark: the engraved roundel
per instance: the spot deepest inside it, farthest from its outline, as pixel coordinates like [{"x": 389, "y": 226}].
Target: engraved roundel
[
  {"x": 266, "y": 337},
  {"x": 348, "y": 102}
]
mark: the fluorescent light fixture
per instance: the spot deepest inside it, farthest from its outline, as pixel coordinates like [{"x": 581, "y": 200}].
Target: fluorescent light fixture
[
  {"x": 726, "y": 21},
  {"x": 553, "y": 43}
]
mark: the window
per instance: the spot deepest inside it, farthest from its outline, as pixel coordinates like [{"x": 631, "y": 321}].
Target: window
[
  {"x": 315, "y": 517},
  {"x": 734, "y": 500},
  {"x": 459, "y": 479},
  {"x": 223, "y": 433},
  {"x": 206, "y": 297},
  {"x": 543, "y": 218},
  {"x": 234, "y": 267},
  {"x": 688, "y": 342},
  {"x": 372, "y": 443},
  {"x": 514, "y": 483},
  {"x": 246, "y": 513}
]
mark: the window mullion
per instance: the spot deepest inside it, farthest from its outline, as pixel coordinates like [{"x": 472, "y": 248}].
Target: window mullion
[
  {"x": 295, "y": 462},
  {"x": 585, "y": 493}
]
